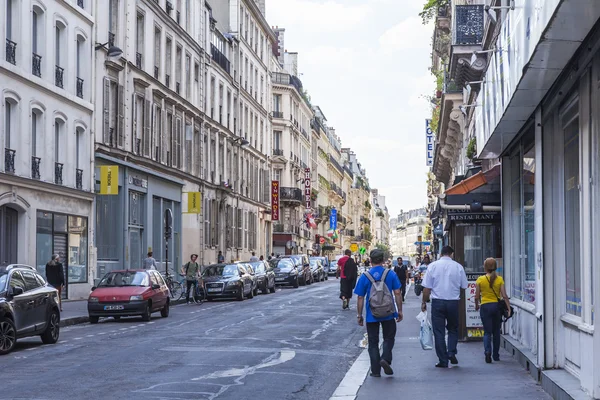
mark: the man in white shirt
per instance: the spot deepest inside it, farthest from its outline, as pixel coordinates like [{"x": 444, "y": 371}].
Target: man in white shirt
[
  {"x": 442, "y": 284},
  {"x": 253, "y": 258}
]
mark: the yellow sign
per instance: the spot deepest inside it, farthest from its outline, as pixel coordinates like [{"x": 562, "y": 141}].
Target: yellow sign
[
  {"x": 194, "y": 203},
  {"x": 109, "y": 179},
  {"x": 354, "y": 247}
]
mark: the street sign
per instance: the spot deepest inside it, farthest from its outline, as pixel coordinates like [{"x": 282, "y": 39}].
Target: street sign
[
  {"x": 423, "y": 243},
  {"x": 354, "y": 247},
  {"x": 362, "y": 250}
]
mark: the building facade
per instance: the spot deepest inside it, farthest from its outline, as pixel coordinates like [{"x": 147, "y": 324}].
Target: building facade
[{"x": 46, "y": 200}]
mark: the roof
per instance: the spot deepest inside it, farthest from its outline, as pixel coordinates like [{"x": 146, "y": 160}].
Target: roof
[{"x": 474, "y": 182}]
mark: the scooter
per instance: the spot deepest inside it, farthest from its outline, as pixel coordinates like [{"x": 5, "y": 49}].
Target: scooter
[{"x": 418, "y": 284}]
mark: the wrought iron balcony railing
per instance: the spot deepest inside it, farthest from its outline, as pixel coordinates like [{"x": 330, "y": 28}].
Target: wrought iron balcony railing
[
  {"x": 11, "y": 52},
  {"x": 336, "y": 164},
  {"x": 278, "y": 152},
  {"x": 80, "y": 88},
  {"x": 58, "y": 76},
  {"x": 138, "y": 60},
  {"x": 79, "y": 178},
  {"x": 277, "y": 114},
  {"x": 290, "y": 194},
  {"x": 58, "y": 173},
  {"x": 220, "y": 58},
  {"x": 35, "y": 167},
  {"x": 9, "y": 160},
  {"x": 468, "y": 25},
  {"x": 287, "y": 79},
  {"x": 36, "y": 65}
]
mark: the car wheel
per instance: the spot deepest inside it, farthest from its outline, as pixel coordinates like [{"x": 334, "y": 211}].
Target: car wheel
[
  {"x": 265, "y": 290},
  {"x": 147, "y": 315},
  {"x": 272, "y": 289},
  {"x": 302, "y": 282},
  {"x": 8, "y": 336},
  {"x": 255, "y": 291},
  {"x": 240, "y": 296},
  {"x": 94, "y": 320},
  {"x": 50, "y": 335},
  {"x": 165, "y": 311},
  {"x": 251, "y": 294},
  {"x": 296, "y": 284}
]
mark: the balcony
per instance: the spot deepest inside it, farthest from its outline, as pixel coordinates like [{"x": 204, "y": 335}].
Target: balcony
[
  {"x": 58, "y": 173},
  {"x": 287, "y": 228},
  {"x": 36, "y": 65},
  {"x": 156, "y": 72},
  {"x": 292, "y": 195},
  {"x": 11, "y": 52},
  {"x": 304, "y": 133},
  {"x": 80, "y": 3},
  {"x": 336, "y": 164},
  {"x": 79, "y": 178},
  {"x": 138, "y": 60},
  {"x": 80, "y": 88},
  {"x": 287, "y": 79},
  {"x": 169, "y": 7},
  {"x": 278, "y": 152},
  {"x": 220, "y": 59},
  {"x": 58, "y": 76},
  {"x": 277, "y": 114},
  {"x": 111, "y": 39},
  {"x": 467, "y": 36},
  {"x": 9, "y": 161},
  {"x": 35, "y": 167}
]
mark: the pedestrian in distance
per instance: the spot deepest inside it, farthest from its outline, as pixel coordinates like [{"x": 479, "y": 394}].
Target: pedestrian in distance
[
  {"x": 191, "y": 270},
  {"x": 442, "y": 285},
  {"x": 348, "y": 272},
  {"x": 253, "y": 258},
  {"x": 149, "y": 262},
  {"x": 55, "y": 275},
  {"x": 425, "y": 264},
  {"x": 220, "y": 257},
  {"x": 487, "y": 302},
  {"x": 261, "y": 258},
  {"x": 376, "y": 286},
  {"x": 402, "y": 271}
]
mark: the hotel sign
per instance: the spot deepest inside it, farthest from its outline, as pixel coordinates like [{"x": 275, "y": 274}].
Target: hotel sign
[
  {"x": 275, "y": 200},
  {"x": 429, "y": 140},
  {"x": 307, "y": 189},
  {"x": 109, "y": 179}
]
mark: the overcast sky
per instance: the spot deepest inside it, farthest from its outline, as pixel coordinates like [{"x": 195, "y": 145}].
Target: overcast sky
[{"x": 365, "y": 63}]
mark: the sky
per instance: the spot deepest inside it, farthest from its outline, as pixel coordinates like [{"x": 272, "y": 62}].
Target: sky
[{"x": 366, "y": 64}]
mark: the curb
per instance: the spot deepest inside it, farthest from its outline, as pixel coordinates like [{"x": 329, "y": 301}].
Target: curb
[{"x": 354, "y": 378}]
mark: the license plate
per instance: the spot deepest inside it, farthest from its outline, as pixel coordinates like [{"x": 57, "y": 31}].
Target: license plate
[
  {"x": 212, "y": 290},
  {"x": 109, "y": 308},
  {"x": 280, "y": 279}
]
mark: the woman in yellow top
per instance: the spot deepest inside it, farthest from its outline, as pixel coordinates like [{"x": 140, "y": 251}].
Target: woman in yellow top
[{"x": 489, "y": 289}]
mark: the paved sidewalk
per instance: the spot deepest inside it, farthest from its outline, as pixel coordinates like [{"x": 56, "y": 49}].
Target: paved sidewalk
[
  {"x": 416, "y": 377},
  {"x": 74, "y": 312}
]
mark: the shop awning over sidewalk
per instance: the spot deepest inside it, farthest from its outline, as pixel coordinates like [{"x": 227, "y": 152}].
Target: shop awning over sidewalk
[{"x": 475, "y": 182}]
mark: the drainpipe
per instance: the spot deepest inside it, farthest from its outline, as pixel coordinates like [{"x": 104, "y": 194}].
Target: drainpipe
[{"x": 466, "y": 207}]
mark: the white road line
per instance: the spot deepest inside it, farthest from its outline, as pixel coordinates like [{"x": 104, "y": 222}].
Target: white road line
[
  {"x": 355, "y": 377},
  {"x": 90, "y": 335},
  {"x": 77, "y": 338}
]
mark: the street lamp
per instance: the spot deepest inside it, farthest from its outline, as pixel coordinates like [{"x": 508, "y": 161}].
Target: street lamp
[
  {"x": 113, "y": 51},
  {"x": 241, "y": 141}
]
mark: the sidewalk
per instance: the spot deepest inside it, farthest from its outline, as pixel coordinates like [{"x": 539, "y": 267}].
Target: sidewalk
[
  {"x": 74, "y": 312},
  {"x": 416, "y": 377}
]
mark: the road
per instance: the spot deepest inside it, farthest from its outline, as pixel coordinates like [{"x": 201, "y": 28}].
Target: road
[{"x": 293, "y": 344}]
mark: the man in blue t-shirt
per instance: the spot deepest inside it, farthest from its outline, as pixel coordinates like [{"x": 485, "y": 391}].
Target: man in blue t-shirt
[{"x": 388, "y": 324}]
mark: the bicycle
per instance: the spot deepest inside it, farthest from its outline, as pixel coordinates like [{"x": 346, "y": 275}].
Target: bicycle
[{"x": 174, "y": 287}]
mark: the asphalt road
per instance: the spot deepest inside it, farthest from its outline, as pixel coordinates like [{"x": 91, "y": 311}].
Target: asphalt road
[{"x": 293, "y": 344}]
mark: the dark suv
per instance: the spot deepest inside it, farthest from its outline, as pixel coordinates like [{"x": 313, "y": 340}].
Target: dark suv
[
  {"x": 28, "y": 307},
  {"x": 301, "y": 261}
]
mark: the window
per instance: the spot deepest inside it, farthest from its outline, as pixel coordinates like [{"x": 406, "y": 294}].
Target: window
[
  {"x": 80, "y": 62},
  {"x": 139, "y": 124},
  {"x": 16, "y": 279},
  {"x": 178, "y": 66},
  {"x": 60, "y": 55},
  {"x": 167, "y": 140},
  {"x": 37, "y": 40},
  {"x": 196, "y": 157},
  {"x": 113, "y": 113},
  {"x": 11, "y": 45},
  {"x": 188, "y": 146},
  {"x": 188, "y": 78},
  {"x": 107, "y": 231},
  {"x": 139, "y": 58},
  {"x": 113, "y": 21},
  {"x": 169, "y": 63},
  {"x": 136, "y": 208},
  {"x": 528, "y": 180},
  {"x": 157, "y": 37},
  {"x": 178, "y": 143},
  {"x": 187, "y": 15}
]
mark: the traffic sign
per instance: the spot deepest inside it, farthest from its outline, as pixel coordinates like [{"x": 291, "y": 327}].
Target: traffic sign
[
  {"x": 322, "y": 240},
  {"x": 362, "y": 250},
  {"x": 423, "y": 243},
  {"x": 354, "y": 247}
]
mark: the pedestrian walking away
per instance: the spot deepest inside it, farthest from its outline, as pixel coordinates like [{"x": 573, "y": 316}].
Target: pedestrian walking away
[
  {"x": 149, "y": 262},
  {"x": 487, "y": 302},
  {"x": 402, "y": 271},
  {"x": 191, "y": 270},
  {"x": 348, "y": 271},
  {"x": 442, "y": 285},
  {"x": 377, "y": 286},
  {"x": 253, "y": 258},
  {"x": 55, "y": 275},
  {"x": 220, "y": 257}
]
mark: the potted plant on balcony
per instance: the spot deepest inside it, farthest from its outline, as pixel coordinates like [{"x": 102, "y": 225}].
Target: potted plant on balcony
[{"x": 471, "y": 149}]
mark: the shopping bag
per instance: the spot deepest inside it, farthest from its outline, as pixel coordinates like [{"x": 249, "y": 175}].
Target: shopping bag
[{"x": 426, "y": 333}]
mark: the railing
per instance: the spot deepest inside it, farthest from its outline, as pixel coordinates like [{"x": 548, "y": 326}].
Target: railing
[
  {"x": 138, "y": 60},
  {"x": 80, "y": 88},
  {"x": 80, "y": 3},
  {"x": 111, "y": 39},
  {"x": 290, "y": 194},
  {"x": 304, "y": 133},
  {"x": 277, "y": 114},
  {"x": 178, "y": 17},
  {"x": 287, "y": 79},
  {"x": 36, "y": 65},
  {"x": 344, "y": 196},
  {"x": 11, "y": 52},
  {"x": 220, "y": 58},
  {"x": 79, "y": 178},
  {"x": 336, "y": 164},
  {"x": 278, "y": 228},
  {"x": 468, "y": 25},
  {"x": 58, "y": 76},
  {"x": 58, "y": 170},
  {"x": 303, "y": 164},
  {"x": 35, "y": 167},
  {"x": 450, "y": 86},
  {"x": 278, "y": 152},
  {"x": 169, "y": 7},
  {"x": 168, "y": 80},
  {"x": 155, "y": 72},
  {"x": 138, "y": 146},
  {"x": 349, "y": 171},
  {"x": 177, "y": 87},
  {"x": 9, "y": 160}
]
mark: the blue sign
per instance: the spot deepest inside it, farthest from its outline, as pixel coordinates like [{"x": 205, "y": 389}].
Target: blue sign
[
  {"x": 333, "y": 219},
  {"x": 423, "y": 243}
]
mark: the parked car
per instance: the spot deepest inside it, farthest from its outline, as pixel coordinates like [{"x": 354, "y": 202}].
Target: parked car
[
  {"x": 228, "y": 280},
  {"x": 127, "y": 293},
  {"x": 316, "y": 267},
  {"x": 250, "y": 270},
  {"x": 329, "y": 268},
  {"x": 28, "y": 307},
  {"x": 304, "y": 273},
  {"x": 265, "y": 277},
  {"x": 286, "y": 272}
]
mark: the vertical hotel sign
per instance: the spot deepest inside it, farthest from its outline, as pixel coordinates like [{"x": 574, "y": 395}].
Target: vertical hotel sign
[
  {"x": 109, "y": 179},
  {"x": 307, "y": 189},
  {"x": 194, "y": 202},
  {"x": 275, "y": 200},
  {"x": 429, "y": 142}
]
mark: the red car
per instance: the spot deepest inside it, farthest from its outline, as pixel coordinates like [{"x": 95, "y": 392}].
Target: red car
[{"x": 129, "y": 293}]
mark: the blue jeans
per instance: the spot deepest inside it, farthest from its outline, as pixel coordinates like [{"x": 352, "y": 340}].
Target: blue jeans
[
  {"x": 444, "y": 315},
  {"x": 389, "y": 337},
  {"x": 491, "y": 317}
]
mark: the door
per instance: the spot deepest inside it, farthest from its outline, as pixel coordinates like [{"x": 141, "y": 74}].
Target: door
[
  {"x": 37, "y": 302},
  {"x": 8, "y": 235},
  {"x": 135, "y": 248},
  {"x": 158, "y": 295},
  {"x": 22, "y": 304},
  {"x": 60, "y": 248}
]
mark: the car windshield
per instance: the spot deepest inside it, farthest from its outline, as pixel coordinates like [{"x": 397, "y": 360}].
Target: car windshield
[
  {"x": 3, "y": 279},
  {"x": 286, "y": 263},
  {"x": 221, "y": 270},
  {"x": 125, "y": 278},
  {"x": 314, "y": 262},
  {"x": 259, "y": 267}
]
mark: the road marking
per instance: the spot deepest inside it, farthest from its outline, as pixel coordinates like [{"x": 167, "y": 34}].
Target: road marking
[
  {"x": 77, "y": 338},
  {"x": 354, "y": 378},
  {"x": 89, "y": 335}
]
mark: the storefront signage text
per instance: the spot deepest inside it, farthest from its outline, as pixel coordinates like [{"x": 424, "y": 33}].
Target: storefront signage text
[
  {"x": 307, "y": 189},
  {"x": 194, "y": 202},
  {"x": 275, "y": 200},
  {"x": 333, "y": 219},
  {"x": 109, "y": 179},
  {"x": 429, "y": 140},
  {"x": 474, "y": 217},
  {"x": 473, "y": 320},
  {"x": 139, "y": 182}
]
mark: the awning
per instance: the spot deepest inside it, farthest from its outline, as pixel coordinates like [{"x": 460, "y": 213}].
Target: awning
[{"x": 474, "y": 182}]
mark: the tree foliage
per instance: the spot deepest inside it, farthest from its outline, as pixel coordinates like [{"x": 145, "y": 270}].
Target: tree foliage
[{"x": 430, "y": 9}]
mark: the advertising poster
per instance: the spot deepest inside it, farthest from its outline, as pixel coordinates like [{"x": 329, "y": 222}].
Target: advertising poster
[
  {"x": 275, "y": 200},
  {"x": 473, "y": 320}
]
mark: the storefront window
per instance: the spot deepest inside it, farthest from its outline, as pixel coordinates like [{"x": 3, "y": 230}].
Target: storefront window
[
  {"x": 572, "y": 215},
  {"x": 515, "y": 227},
  {"x": 108, "y": 228},
  {"x": 78, "y": 249},
  {"x": 479, "y": 241},
  {"x": 43, "y": 247},
  {"x": 529, "y": 224}
]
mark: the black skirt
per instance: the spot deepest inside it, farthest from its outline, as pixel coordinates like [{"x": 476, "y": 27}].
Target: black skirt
[{"x": 346, "y": 287}]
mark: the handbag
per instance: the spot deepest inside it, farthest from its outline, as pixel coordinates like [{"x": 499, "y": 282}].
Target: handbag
[{"x": 502, "y": 304}]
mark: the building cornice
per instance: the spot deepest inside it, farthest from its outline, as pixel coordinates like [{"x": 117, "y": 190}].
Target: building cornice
[{"x": 48, "y": 187}]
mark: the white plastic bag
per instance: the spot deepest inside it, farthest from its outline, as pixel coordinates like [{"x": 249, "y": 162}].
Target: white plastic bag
[{"x": 426, "y": 334}]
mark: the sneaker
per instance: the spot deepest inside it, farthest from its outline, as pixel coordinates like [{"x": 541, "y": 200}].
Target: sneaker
[
  {"x": 453, "y": 360},
  {"x": 488, "y": 358},
  {"x": 387, "y": 368},
  {"x": 375, "y": 375},
  {"x": 440, "y": 365},
  {"x": 497, "y": 358},
  {"x": 344, "y": 304}
]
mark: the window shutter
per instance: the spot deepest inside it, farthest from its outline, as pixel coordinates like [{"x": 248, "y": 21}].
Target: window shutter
[
  {"x": 147, "y": 125},
  {"x": 106, "y": 112},
  {"x": 121, "y": 116},
  {"x": 164, "y": 137},
  {"x": 177, "y": 145},
  {"x": 134, "y": 118}
]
